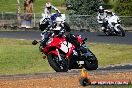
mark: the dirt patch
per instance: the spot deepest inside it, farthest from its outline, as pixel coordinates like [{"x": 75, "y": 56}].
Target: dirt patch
[{"x": 58, "y": 81}]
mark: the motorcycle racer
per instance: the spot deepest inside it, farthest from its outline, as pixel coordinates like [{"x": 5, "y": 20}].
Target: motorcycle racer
[
  {"x": 110, "y": 23},
  {"x": 59, "y": 27},
  {"x": 111, "y": 18},
  {"x": 102, "y": 17},
  {"x": 48, "y": 9},
  {"x": 46, "y": 20}
]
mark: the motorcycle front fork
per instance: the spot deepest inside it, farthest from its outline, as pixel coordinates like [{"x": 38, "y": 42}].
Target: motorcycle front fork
[{"x": 60, "y": 59}]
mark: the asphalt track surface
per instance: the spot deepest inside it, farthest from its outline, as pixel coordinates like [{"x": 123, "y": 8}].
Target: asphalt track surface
[{"x": 97, "y": 37}]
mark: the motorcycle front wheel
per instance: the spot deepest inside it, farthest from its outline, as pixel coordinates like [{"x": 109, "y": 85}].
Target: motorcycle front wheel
[
  {"x": 107, "y": 32},
  {"x": 121, "y": 32},
  {"x": 58, "y": 66},
  {"x": 91, "y": 63}
]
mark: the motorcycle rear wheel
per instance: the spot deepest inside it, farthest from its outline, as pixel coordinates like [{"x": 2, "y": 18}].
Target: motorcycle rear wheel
[{"x": 52, "y": 59}]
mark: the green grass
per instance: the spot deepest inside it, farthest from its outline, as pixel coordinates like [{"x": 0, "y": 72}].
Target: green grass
[
  {"x": 21, "y": 57},
  {"x": 10, "y": 5},
  {"x": 112, "y": 54}
]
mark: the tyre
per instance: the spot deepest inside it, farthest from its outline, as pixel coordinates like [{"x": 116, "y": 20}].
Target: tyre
[
  {"x": 121, "y": 31},
  {"x": 58, "y": 66},
  {"x": 108, "y": 32},
  {"x": 85, "y": 81},
  {"x": 91, "y": 63}
]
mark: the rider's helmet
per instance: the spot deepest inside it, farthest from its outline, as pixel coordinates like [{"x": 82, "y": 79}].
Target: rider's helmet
[
  {"x": 59, "y": 20},
  {"x": 101, "y": 9},
  {"x": 48, "y": 5}
]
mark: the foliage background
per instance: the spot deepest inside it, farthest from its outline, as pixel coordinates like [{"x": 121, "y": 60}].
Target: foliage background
[
  {"x": 85, "y": 7},
  {"x": 123, "y": 7}
]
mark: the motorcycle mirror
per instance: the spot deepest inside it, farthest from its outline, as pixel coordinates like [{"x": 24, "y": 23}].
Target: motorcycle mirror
[{"x": 34, "y": 42}]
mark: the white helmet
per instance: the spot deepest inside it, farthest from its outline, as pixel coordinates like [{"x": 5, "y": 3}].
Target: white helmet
[
  {"x": 101, "y": 9},
  {"x": 59, "y": 20},
  {"x": 48, "y": 5}
]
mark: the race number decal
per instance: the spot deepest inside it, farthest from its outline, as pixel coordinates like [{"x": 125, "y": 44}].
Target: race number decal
[{"x": 65, "y": 46}]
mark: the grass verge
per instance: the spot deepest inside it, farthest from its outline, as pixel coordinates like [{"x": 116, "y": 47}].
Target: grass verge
[
  {"x": 21, "y": 57},
  {"x": 112, "y": 54},
  {"x": 11, "y": 5}
]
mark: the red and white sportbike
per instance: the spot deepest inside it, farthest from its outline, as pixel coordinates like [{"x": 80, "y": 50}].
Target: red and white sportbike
[{"x": 63, "y": 55}]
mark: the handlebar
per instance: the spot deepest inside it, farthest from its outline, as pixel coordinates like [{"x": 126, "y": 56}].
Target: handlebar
[{"x": 83, "y": 41}]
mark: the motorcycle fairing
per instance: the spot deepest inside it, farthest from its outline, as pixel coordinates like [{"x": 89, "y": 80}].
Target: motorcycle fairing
[
  {"x": 70, "y": 51},
  {"x": 65, "y": 46},
  {"x": 54, "y": 43},
  {"x": 79, "y": 39},
  {"x": 60, "y": 43},
  {"x": 53, "y": 52},
  {"x": 115, "y": 27}
]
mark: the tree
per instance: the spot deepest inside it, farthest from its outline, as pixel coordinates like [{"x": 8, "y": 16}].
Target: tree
[
  {"x": 106, "y": 1},
  {"x": 123, "y": 7},
  {"x": 85, "y": 7}
]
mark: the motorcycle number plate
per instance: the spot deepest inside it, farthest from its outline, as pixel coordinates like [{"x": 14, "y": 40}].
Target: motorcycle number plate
[{"x": 80, "y": 62}]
